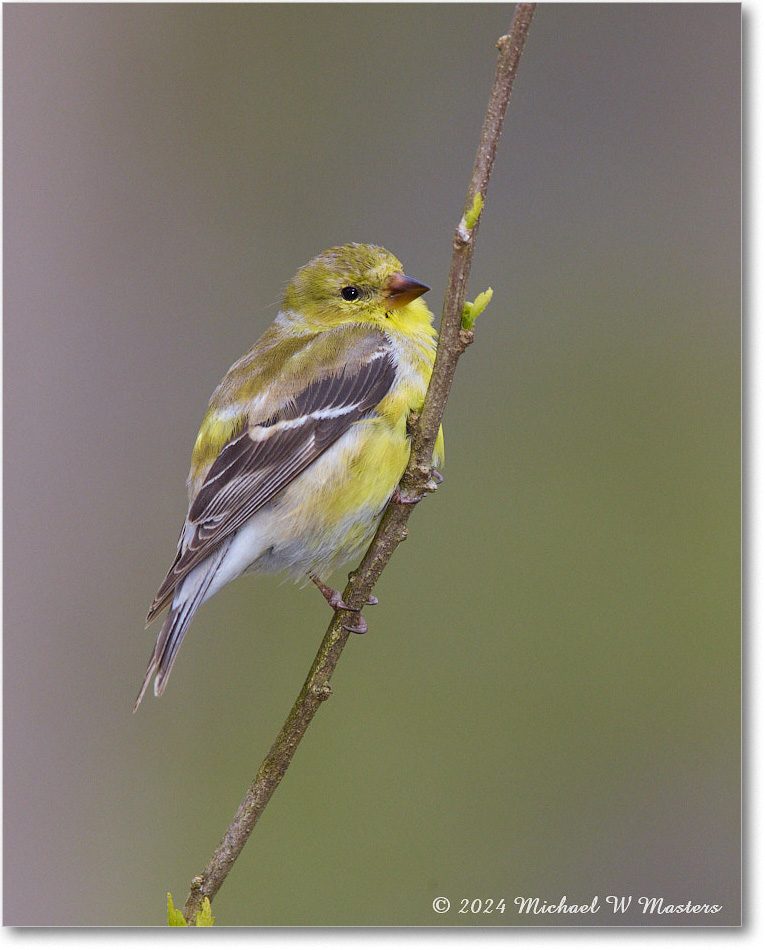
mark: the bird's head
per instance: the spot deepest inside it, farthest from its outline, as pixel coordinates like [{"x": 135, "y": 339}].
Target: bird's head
[{"x": 356, "y": 283}]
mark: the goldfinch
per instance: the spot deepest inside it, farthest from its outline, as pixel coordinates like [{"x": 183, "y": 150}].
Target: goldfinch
[{"x": 304, "y": 440}]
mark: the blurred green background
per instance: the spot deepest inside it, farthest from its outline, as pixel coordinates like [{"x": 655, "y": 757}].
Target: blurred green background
[{"x": 547, "y": 702}]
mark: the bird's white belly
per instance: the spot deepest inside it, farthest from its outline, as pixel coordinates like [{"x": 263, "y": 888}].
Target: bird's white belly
[{"x": 307, "y": 527}]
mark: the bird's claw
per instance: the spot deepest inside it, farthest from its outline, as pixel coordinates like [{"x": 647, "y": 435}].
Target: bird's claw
[
  {"x": 355, "y": 624},
  {"x": 404, "y": 498},
  {"x": 335, "y": 600},
  {"x": 337, "y": 603},
  {"x": 434, "y": 481}
]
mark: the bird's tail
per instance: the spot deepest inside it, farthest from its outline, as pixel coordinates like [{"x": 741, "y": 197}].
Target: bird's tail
[{"x": 189, "y": 595}]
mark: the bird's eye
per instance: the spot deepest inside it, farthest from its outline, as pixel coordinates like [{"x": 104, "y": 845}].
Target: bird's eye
[{"x": 350, "y": 293}]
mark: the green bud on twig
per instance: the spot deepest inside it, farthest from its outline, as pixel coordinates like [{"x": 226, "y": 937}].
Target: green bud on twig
[
  {"x": 471, "y": 217},
  {"x": 471, "y": 310},
  {"x": 175, "y": 918}
]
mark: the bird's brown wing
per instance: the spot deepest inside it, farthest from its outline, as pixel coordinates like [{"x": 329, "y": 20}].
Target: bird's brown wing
[{"x": 262, "y": 459}]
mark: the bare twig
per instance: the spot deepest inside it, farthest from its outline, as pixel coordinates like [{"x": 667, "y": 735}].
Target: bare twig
[{"x": 417, "y": 480}]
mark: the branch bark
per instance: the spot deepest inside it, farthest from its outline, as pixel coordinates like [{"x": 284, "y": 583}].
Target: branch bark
[{"x": 416, "y": 482}]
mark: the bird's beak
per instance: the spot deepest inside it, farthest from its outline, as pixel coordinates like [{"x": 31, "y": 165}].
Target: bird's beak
[{"x": 402, "y": 290}]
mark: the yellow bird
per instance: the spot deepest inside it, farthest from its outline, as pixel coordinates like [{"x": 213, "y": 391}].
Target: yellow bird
[{"x": 304, "y": 440}]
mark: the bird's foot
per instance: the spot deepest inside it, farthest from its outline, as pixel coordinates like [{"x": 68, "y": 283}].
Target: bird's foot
[
  {"x": 404, "y": 498},
  {"x": 356, "y": 623},
  {"x": 408, "y": 498},
  {"x": 335, "y": 600},
  {"x": 333, "y": 597}
]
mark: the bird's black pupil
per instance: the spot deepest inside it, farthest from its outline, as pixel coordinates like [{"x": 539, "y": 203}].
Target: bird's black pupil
[{"x": 350, "y": 293}]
